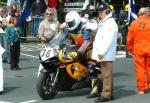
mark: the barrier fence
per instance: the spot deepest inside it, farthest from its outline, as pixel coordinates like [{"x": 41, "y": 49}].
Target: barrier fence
[{"x": 30, "y": 28}]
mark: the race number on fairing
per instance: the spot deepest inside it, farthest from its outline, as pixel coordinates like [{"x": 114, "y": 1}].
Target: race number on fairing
[{"x": 47, "y": 53}]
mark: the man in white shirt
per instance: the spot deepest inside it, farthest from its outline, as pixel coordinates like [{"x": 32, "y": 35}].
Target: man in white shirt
[{"x": 104, "y": 50}]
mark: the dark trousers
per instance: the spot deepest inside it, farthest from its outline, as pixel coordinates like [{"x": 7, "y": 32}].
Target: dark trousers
[{"x": 15, "y": 54}]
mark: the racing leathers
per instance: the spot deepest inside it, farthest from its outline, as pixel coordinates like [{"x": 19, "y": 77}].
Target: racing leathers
[{"x": 82, "y": 37}]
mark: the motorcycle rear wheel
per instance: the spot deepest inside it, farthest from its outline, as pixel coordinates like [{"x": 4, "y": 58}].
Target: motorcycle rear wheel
[{"x": 45, "y": 88}]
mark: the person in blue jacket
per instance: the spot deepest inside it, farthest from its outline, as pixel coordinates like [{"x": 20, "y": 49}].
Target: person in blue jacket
[{"x": 13, "y": 33}]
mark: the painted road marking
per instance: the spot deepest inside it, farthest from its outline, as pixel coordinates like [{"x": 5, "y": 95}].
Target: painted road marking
[
  {"x": 31, "y": 47},
  {"x": 29, "y": 55},
  {"x": 30, "y": 101},
  {"x": 5, "y": 102}
]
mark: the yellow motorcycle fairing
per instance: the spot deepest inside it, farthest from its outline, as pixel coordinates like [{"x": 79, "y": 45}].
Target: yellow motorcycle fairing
[
  {"x": 61, "y": 59},
  {"x": 76, "y": 70}
]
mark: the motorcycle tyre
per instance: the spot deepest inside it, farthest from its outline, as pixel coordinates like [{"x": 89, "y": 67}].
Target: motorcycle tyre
[{"x": 40, "y": 80}]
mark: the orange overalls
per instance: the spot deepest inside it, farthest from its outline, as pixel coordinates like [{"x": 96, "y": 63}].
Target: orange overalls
[{"x": 138, "y": 41}]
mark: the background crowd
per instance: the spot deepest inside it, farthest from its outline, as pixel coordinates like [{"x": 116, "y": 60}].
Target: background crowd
[{"x": 30, "y": 25}]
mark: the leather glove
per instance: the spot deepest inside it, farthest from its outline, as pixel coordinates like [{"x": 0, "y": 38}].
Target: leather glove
[{"x": 74, "y": 54}]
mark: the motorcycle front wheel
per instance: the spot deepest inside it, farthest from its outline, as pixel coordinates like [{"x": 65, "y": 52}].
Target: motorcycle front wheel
[{"x": 45, "y": 86}]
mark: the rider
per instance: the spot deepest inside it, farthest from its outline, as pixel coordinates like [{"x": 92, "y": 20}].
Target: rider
[{"x": 81, "y": 32}]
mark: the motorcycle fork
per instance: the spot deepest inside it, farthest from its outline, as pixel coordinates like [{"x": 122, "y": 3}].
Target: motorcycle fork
[{"x": 56, "y": 77}]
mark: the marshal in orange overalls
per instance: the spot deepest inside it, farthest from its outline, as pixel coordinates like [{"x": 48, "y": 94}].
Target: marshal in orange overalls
[{"x": 138, "y": 41}]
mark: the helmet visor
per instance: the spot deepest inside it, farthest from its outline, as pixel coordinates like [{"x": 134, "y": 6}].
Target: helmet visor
[{"x": 71, "y": 24}]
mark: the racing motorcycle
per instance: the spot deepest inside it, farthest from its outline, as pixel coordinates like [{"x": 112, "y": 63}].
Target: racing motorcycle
[{"x": 60, "y": 71}]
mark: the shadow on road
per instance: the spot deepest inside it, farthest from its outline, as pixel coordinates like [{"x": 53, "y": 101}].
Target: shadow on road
[
  {"x": 121, "y": 92},
  {"x": 29, "y": 67},
  {"x": 10, "y": 89},
  {"x": 75, "y": 93},
  {"x": 118, "y": 74},
  {"x": 24, "y": 59}
]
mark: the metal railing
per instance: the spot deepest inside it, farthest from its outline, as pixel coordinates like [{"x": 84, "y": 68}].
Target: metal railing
[{"x": 30, "y": 28}]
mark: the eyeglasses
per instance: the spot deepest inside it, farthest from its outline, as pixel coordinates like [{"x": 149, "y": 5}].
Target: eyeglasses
[{"x": 49, "y": 14}]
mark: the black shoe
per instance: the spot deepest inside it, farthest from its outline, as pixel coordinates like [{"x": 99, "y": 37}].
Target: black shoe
[
  {"x": 93, "y": 95},
  {"x": 1, "y": 92},
  {"x": 8, "y": 61},
  {"x": 18, "y": 68},
  {"x": 102, "y": 99},
  {"x": 4, "y": 61},
  {"x": 128, "y": 56},
  {"x": 13, "y": 69}
]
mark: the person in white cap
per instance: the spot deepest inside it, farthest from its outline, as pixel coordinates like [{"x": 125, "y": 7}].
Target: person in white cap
[{"x": 104, "y": 51}]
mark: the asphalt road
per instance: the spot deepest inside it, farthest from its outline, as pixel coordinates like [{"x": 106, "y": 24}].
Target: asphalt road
[{"x": 20, "y": 86}]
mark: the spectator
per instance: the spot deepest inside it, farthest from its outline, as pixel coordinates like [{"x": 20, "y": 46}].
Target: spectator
[
  {"x": 12, "y": 36},
  {"x": 53, "y": 4},
  {"x": 12, "y": 10},
  {"x": 48, "y": 24},
  {"x": 6, "y": 54},
  {"x": 1, "y": 71},
  {"x": 137, "y": 39},
  {"x": 2, "y": 15},
  {"x": 9, "y": 2},
  {"x": 113, "y": 12},
  {"x": 1, "y": 50},
  {"x": 1, "y": 30},
  {"x": 123, "y": 26},
  {"x": 38, "y": 9},
  {"x": 3, "y": 23},
  {"x": 47, "y": 28},
  {"x": 87, "y": 31},
  {"x": 104, "y": 50}
]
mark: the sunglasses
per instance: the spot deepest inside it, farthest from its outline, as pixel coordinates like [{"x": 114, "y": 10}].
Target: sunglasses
[{"x": 49, "y": 14}]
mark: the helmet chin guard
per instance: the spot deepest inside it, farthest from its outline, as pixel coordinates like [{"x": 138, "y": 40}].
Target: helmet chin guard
[{"x": 72, "y": 20}]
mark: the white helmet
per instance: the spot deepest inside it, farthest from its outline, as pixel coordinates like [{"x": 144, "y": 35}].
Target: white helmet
[{"x": 72, "y": 20}]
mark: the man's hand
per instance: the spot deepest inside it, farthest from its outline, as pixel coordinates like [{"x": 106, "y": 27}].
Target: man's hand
[
  {"x": 63, "y": 25},
  {"x": 100, "y": 58},
  {"x": 42, "y": 38},
  {"x": 130, "y": 52},
  {"x": 84, "y": 27}
]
